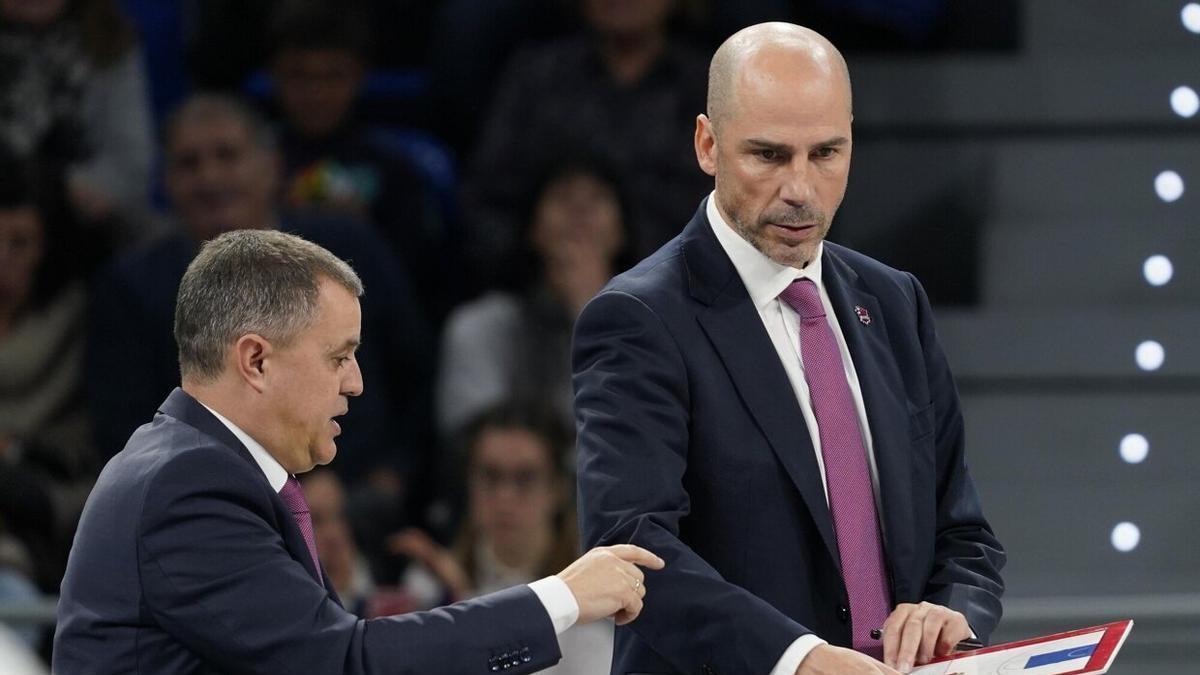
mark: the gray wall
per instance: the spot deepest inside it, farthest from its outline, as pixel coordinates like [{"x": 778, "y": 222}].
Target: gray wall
[{"x": 1034, "y": 173}]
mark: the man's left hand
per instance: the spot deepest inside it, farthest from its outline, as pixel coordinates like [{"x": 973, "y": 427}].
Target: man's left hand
[{"x": 914, "y": 634}]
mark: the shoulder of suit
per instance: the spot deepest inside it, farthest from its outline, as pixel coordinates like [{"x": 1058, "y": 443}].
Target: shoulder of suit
[
  {"x": 173, "y": 452},
  {"x": 869, "y": 268},
  {"x": 662, "y": 273}
]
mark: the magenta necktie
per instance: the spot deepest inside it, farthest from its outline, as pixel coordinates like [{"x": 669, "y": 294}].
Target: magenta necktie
[
  {"x": 293, "y": 497},
  {"x": 851, "y": 499}
]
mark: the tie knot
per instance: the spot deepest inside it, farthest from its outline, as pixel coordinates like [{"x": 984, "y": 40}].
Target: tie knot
[
  {"x": 802, "y": 296},
  {"x": 293, "y": 496}
]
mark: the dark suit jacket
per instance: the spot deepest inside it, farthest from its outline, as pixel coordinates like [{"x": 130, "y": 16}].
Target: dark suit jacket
[
  {"x": 186, "y": 561},
  {"x": 692, "y": 444}
]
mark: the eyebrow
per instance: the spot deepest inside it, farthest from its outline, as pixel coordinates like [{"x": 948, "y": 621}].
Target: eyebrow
[{"x": 762, "y": 143}]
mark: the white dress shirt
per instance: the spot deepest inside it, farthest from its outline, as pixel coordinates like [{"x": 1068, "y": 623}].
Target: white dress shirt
[
  {"x": 553, "y": 592},
  {"x": 765, "y": 279}
]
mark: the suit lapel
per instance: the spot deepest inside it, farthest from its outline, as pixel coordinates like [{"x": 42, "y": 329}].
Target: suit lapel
[
  {"x": 188, "y": 410},
  {"x": 884, "y": 398},
  {"x": 735, "y": 329}
]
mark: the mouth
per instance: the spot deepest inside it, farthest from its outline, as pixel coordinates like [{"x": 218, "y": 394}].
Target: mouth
[
  {"x": 793, "y": 232},
  {"x": 337, "y": 427}
]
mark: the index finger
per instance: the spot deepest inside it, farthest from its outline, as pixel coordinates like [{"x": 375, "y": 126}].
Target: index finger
[{"x": 637, "y": 555}]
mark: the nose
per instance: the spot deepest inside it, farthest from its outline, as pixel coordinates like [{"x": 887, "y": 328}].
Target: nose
[
  {"x": 352, "y": 383},
  {"x": 796, "y": 189}
]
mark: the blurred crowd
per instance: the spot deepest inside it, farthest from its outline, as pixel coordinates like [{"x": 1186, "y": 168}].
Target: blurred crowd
[{"x": 485, "y": 165}]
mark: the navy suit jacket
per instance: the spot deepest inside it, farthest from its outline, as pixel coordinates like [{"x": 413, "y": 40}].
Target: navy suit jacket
[
  {"x": 692, "y": 444},
  {"x": 187, "y": 561}
]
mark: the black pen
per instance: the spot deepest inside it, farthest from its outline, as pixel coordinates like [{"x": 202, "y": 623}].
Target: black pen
[{"x": 962, "y": 646}]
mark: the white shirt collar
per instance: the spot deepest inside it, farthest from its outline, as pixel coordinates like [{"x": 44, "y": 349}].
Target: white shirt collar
[
  {"x": 271, "y": 468},
  {"x": 764, "y": 278}
]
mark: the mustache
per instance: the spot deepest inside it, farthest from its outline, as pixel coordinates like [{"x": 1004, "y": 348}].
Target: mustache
[{"x": 796, "y": 215}]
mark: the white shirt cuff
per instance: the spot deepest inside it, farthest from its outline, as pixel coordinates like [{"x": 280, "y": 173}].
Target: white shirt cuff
[
  {"x": 559, "y": 602},
  {"x": 789, "y": 663}
]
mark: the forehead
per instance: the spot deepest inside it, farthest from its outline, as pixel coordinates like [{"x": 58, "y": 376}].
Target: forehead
[
  {"x": 199, "y": 133},
  {"x": 339, "y": 317},
  {"x": 510, "y": 446},
  {"x": 785, "y": 91},
  {"x": 321, "y": 58},
  {"x": 22, "y": 221}
]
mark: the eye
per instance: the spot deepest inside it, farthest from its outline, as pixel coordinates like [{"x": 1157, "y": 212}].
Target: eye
[
  {"x": 768, "y": 154},
  {"x": 825, "y": 152}
]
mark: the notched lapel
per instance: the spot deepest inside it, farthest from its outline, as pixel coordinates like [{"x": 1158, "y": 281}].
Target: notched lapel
[
  {"x": 735, "y": 329},
  {"x": 188, "y": 410}
]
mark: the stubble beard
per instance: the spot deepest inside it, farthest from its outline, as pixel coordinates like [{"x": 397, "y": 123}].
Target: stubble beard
[{"x": 798, "y": 256}]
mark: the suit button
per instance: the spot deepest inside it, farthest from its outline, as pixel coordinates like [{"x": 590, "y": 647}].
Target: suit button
[{"x": 843, "y": 613}]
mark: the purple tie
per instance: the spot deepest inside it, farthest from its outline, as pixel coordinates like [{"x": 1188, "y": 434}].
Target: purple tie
[
  {"x": 851, "y": 498},
  {"x": 293, "y": 497}
]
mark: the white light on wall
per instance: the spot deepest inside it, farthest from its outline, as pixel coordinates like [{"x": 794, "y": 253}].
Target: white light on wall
[
  {"x": 1150, "y": 355},
  {"x": 1158, "y": 270},
  {"x": 1125, "y": 537},
  {"x": 1184, "y": 101},
  {"x": 1169, "y": 186},
  {"x": 1191, "y": 17},
  {"x": 1134, "y": 448}
]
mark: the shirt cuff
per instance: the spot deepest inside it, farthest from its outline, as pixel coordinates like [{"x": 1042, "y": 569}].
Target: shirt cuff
[
  {"x": 559, "y": 602},
  {"x": 789, "y": 663}
]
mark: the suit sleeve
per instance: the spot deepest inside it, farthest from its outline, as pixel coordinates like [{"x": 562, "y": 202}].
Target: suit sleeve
[
  {"x": 967, "y": 556},
  {"x": 632, "y": 410},
  {"x": 216, "y": 575}
]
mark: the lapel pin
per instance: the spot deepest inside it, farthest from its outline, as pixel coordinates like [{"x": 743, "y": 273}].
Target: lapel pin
[{"x": 863, "y": 315}]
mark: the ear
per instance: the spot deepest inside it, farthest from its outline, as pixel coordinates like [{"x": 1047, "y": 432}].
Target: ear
[
  {"x": 706, "y": 145},
  {"x": 250, "y": 353}
]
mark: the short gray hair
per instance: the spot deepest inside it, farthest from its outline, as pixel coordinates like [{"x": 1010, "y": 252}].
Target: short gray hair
[{"x": 250, "y": 281}]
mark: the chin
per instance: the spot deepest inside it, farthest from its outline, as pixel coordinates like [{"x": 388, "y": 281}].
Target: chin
[{"x": 325, "y": 455}]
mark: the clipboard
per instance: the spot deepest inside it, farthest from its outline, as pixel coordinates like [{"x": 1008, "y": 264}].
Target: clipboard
[{"x": 1078, "y": 652}]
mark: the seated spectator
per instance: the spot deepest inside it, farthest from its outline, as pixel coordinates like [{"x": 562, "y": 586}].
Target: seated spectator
[
  {"x": 74, "y": 95},
  {"x": 624, "y": 92},
  {"x": 520, "y": 526},
  {"x": 506, "y": 345},
  {"x": 343, "y": 560},
  {"x": 340, "y": 559},
  {"x": 46, "y": 457},
  {"x": 332, "y": 160},
  {"x": 221, "y": 174}
]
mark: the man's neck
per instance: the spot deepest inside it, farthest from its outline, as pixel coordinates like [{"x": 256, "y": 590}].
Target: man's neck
[{"x": 216, "y": 397}]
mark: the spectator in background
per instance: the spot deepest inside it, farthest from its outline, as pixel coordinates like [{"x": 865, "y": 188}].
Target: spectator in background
[
  {"x": 46, "y": 457},
  {"x": 332, "y": 159},
  {"x": 520, "y": 523},
  {"x": 73, "y": 94},
  {"x": 625, "y": 92},
  {"x": 348, "y": 572},
  {"x": 506, "y": 345},
  {"x": 222, "y": 173}
]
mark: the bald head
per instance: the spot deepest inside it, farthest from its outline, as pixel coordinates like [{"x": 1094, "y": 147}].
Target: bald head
[{"x": 751, "y": 52}]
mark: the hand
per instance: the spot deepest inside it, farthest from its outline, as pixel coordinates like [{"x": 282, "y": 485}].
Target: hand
[
  {"x": 831, "y": 660},
  {"x": 914, "y": 634},
  {"x": 418, "y": 546},
  {"x": 606, "y": 581}
]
